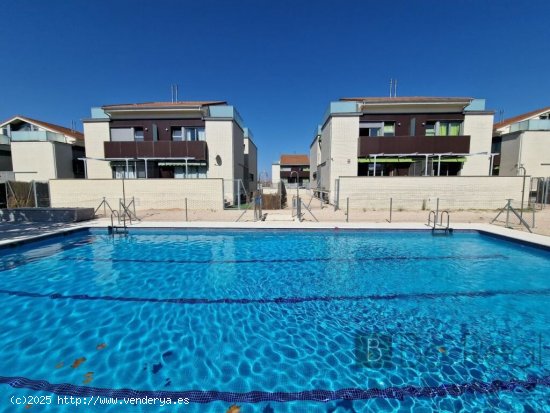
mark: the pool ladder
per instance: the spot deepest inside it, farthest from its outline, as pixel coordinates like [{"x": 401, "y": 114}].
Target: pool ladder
[
  {"x": 437, "y": 226},
  {"x": 118, "y": 229}
]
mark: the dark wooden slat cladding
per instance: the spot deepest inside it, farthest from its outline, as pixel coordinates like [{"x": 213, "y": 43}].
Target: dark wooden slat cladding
[
  {"x": 160, "y": 149},
  {"x": 403, "y": 121},
  {"x": 164, "y": 126},
  {"x": 301, "y": 174},
  {"x": 411, "y": 144}
]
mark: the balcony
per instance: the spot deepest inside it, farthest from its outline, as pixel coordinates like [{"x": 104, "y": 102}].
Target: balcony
[
  {"x": 156, "y": 149},
  {"x": 34, "y": 136},
  {"x": 529, "y": 125},
  {"x": 4, "y": 139},
  {"x": 301, "y": 174},
  {"x": 370, "y": 145}
]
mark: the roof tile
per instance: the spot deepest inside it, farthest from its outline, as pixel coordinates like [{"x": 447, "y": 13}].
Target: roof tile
[{"x": 294, "y": 160}]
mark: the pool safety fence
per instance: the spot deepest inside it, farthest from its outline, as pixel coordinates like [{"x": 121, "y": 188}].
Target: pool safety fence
[
  {"x": 139, "y": 195},
  {"x": 420, "y": 193}
]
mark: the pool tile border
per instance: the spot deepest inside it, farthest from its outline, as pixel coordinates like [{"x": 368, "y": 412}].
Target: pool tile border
[{"x": 318, "y": 395}]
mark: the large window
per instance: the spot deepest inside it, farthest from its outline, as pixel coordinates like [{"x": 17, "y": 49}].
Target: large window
[
  {"x": 194, "y": 134},
  {"x": 444, "y": 128},
  {"x": 377, "y": 129},
  {"x": 193, "y": 171},
  {"x": 188, "y": 134}
]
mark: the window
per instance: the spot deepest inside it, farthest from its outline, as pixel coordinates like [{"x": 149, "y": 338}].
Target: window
[
  {"x": 177, "y": 134},
  {"x": 138, "y": 134},
  {"x": 194, "y": 134},
  {"x": 119, "y": 172},
  {"x": 377, "y": 129},
  {"x": 430, "y": 128},
  {"x": 443, "y": 128},
  {"x": 193, "y": 171},
  {"x": 389, "y": 128}
]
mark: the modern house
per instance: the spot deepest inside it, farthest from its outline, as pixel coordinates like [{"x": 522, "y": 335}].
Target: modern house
[
  {"x": 291, "y": 169},
  {"x": 193, "y": 139},
  {"x": 34, "y": 150},
  {"x": 523, "y": 141},
  {"x": 401, "y": 136}
]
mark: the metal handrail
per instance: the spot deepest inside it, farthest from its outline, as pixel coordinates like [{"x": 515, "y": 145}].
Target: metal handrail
[
  {"x": 441, "y": 218},
  {"x": 430, "y": 219}
]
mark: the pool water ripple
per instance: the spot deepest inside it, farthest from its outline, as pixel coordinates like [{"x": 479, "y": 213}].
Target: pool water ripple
[{"x": 277, "y": 328}]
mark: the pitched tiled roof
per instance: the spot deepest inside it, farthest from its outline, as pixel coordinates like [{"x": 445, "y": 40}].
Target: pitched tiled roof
[
  {"x": 153, "y": 105},
  {"x": 294, "y": 160},
  {"x": 408, "y": 99},
  {"x": 50, "y": 126},
  {"x": 519, "y": 118}
]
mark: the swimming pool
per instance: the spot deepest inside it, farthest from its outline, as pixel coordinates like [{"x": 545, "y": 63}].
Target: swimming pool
[{"x": 276, "y": 321}]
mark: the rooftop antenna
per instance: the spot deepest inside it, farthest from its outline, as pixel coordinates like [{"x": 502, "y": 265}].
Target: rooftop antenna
[
  {"x": 391, "y": 86},
  {"x": 395, "y": 89},
  {"x": 174, "y": 92},
  {"x": 501, "y": 115}
]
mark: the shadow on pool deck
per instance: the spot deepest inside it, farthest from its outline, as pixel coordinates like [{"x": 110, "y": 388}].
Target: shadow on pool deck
[{"x": 15, "y": 231}]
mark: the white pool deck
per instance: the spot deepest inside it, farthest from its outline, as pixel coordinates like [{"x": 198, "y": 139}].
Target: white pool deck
[{"x": 20, "y": 233}]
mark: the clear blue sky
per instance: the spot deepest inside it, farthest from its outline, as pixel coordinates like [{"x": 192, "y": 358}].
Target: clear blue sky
[{"x": 278, "y": 62}]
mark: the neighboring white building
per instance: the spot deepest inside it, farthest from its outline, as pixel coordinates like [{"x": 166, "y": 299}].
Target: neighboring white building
[
  {"x": 200, "y": 139},
  {"x": 250, "y": 161},
  {"x": 39, "y": 151},
  {"x": 275, "y": 173},
  {"x": 524, "y": 141},
  {"x": 401, "y": 136}
]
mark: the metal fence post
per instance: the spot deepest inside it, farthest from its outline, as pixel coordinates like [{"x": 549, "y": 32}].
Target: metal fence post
[
  {"x": 436, "y": 211},
  {"x": 238, "y": 195},
  {"x": 186, "y": 210},
  {"x": 391, "y": 207},
  {"x": 508, "y": 213},
  {"x": 347, "y": 209},
  {"x": 35, "y": 195}
]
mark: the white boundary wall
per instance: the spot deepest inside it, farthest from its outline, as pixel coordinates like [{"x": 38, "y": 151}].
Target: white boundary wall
[
  {"x": 201, "y": 194},
  {"x": 417, "y": 193}
]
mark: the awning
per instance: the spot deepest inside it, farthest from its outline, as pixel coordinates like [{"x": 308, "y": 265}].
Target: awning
[
  {"x": 180, "y": 163},
  {"x": 385, "y": 160}
]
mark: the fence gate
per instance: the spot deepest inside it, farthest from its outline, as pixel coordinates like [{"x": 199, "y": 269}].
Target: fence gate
[
  {"x": 42, "y": 194},
  {"x": 539, "y": 191},
  {"x": 26, "y": 194}
]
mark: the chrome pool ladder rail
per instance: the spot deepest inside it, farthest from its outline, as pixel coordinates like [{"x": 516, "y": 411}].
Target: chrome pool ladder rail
[
  {"x": 437, "y": 226},
  {"x": 118, "y": 229}
]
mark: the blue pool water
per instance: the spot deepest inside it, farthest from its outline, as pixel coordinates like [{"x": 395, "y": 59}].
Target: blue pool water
[{"x": 273, "y": 321}]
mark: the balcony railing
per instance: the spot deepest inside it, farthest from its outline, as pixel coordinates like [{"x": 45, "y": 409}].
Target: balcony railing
[
  {"x": 533, "y": 124},
  {"x": 370, "y": 145},
  {"x": 39, "y": 135},
  {"x": 4, "y": 140},
  {"x": 301, "y": 174},
  {"x": 156, "y": 149}
]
